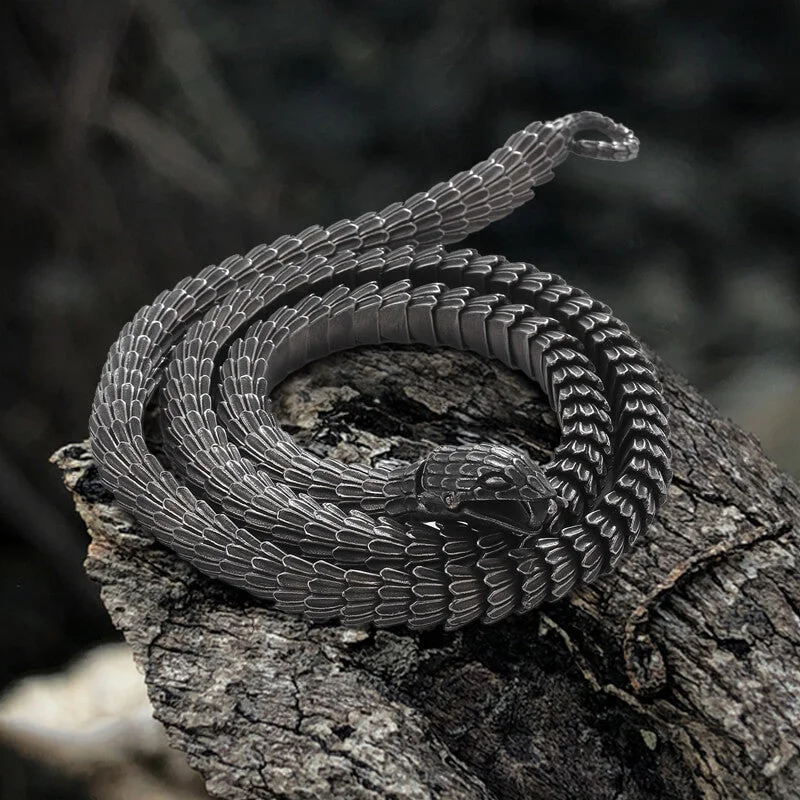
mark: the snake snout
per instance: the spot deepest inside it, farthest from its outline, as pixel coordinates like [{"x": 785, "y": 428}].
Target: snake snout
[
  {"x": 520, "y": 516},
  {"x": 622, "y": 144}
]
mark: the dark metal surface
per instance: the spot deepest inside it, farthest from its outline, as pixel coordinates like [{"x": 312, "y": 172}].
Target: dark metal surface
[{"x": 469, "y": 533}]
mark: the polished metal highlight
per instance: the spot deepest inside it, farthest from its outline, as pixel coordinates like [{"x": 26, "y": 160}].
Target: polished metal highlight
[{"x": 468, "y": 533}]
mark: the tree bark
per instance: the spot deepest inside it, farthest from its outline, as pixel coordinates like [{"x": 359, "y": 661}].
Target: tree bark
[{"x": 676, "y": 677}]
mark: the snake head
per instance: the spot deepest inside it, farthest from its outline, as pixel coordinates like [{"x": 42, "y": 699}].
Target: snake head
[{"x": 490, "y": 486}]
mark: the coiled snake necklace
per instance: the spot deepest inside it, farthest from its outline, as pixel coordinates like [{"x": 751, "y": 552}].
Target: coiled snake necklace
[{"x": 468, "y": 533}]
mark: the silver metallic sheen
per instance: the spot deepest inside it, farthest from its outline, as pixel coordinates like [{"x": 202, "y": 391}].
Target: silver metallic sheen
[{"x": 469, "y": 533}]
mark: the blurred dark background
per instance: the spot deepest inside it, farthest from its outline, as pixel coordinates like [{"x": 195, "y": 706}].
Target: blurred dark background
[{"x": 142, "y": 141}]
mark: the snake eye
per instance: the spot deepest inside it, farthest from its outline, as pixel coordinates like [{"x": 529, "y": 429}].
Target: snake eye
[{"x": 450, "y": 499}]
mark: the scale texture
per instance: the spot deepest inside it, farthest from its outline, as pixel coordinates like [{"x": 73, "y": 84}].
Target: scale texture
[{"x": 471, "y": 532}]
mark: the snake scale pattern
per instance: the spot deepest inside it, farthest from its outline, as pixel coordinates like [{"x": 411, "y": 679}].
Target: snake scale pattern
[{"x": 468, "y": 533}]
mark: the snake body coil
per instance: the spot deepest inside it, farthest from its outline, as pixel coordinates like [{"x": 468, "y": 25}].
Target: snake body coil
[{"x": 468, "y": 533}]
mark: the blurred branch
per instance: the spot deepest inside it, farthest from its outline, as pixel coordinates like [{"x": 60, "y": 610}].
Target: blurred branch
[
  {"x": 30, "y": 91},
  {"x": 99, "y": 35},
  {"x": 167, "y": 152},
  {"x": 185, "y": 54}
]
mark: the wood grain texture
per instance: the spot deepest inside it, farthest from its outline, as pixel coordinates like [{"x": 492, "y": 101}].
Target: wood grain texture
[{"x": 676, "y": 677}]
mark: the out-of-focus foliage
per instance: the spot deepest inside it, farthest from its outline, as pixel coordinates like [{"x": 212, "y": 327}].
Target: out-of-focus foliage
[{"x": 142, "y": 141}]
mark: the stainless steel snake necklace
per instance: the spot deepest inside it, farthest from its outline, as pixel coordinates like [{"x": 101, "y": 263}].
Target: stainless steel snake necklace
[{"x": 469, "y": 532}]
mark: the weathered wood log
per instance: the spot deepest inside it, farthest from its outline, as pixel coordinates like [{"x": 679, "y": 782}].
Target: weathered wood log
[{"x": 676, "y": 677}]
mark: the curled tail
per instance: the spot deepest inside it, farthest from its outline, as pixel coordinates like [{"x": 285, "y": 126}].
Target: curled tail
[{"x": 622, "y": 145}]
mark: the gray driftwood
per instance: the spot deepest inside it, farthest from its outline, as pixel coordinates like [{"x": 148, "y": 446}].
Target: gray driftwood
[{"x": 677, "y": 677}]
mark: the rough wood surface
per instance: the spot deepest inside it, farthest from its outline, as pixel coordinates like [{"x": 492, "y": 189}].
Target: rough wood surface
[{"x": 677, "y": 677}]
